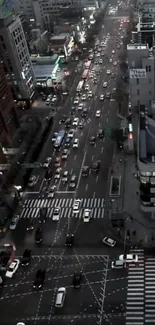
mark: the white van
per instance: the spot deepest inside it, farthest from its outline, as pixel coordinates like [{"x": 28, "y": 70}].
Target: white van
[
  {"x": 117, "y": 265},
  {"x": 60, "y": 297}
]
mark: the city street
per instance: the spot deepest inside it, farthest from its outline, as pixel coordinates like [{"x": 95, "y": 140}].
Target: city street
[{"x": 101, "y": 298}]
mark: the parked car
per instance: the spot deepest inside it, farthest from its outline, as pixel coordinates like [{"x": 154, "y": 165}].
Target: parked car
[
  {"x": 109, "y": 241},
  {"x": 12, "y": 268},
  {"x": 26, "y": 257},
  {"x": 14, "y": 222}
]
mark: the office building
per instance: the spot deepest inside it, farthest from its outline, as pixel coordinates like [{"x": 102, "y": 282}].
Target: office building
[
  {"x": 16, "y": 59},
  {"x": 144, "y": 32},
  {"x": 141, "y": 63}
]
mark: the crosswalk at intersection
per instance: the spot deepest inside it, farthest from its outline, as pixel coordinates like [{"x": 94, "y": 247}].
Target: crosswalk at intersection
[{"x": 31, "y": 207}]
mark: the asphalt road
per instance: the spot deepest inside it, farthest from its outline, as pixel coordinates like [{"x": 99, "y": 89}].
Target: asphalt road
[{"x": 101, "y": 298}]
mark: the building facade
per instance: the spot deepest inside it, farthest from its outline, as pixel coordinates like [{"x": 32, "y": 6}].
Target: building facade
[
  {"x": 141, "y": 63},
  {"x": 16, "y": 59}
]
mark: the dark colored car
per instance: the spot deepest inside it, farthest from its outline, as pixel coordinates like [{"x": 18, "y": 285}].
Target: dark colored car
[
  {"x": 43, "y": 215},
  {"x": 69, "y": 240},
  {"x": 96, "y": 166},
  {"x": 39, "y": 279},
  {"x": 92, "y": 140},
  {"x": 30, "y": 225},
  {"x": 68, "y": 142},
  {"x": 63, "y": 119},
  {"x": 48, "y": 174},
  {"x": 84, "y": 113},
  {"x": 38, "y": 235},
  {"x": 85, "y": 171},
  {"x": 26, "y": 259},
  {"x": 77, "y": 278},
  {"x": 68, "y": 123},
  {"x": 101, "y": 134},
  {"x": 72, "y": 111}
]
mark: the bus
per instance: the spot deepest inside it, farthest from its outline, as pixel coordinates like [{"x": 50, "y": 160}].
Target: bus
[
  {"x": 88, "y": 64},
  {"x": 59, "y": 139},
  {"x": 85, "y": 74},
  {"x": 80, "y": 86}
]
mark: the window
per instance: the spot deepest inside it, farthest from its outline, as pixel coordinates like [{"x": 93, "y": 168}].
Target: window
[
  {"x": 149, "y": 68},
  {"x": 137, "y": 91},
  {"x": 137, "y": 81},
  {"x": 146, "y": 68}
]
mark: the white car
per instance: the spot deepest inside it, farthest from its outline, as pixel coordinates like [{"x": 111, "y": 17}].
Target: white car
[
  {"x": 52, "y": 191},
  {"x": 76, "y": 205},
  {"x": 57, "y": 173},
  {"x": 65, "y": 176},
  {"x": 102, "y": 97},
  {"x": 113, "y": 51},
  {"x": 80, "y": 107},
  {"x": 108, "y": 72},
  {"x": 75, "y": 121},
  {"x": 129, "y": 258},
  {"x": 86, "y": 87},
  {"x": 76, "y": 143},
  {"x": 115, "y": 63},
  {"x": 100, "y": 61},
  {"x": 14, "y": 222},
  {"x": 54, "y": 136},
  {"x": 71, "y": 134},
  {"x": 65, "y": 154},
  {"x": 90, "y": 94},
  {"x": 47, "y": 162},
  {"x": 110, "y": 60},
  {"x": 12, "y": 268},
  {"x": 98, "y": 113},
  {"x": 83, "y": 97},
  {"x": 76, "y": 100},
  {"x": 56, "y": 214},
  {"x": 32, "y": 180},
  {"x": 105, "y": 84},
  {"x": 86, "y": 215},
  {"x": 109, "y": 241}
]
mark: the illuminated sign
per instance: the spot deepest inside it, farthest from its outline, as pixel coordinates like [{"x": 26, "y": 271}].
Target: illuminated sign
[{"x": 137, "y": 73}]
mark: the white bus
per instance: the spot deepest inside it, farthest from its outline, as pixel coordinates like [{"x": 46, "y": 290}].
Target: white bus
[{"x": 80, "y": 86}]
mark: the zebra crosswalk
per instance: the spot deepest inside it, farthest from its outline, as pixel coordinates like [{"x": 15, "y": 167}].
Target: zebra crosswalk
[
  {"x": 140, "y": 304},
  {"x": 31, "y": 207}
]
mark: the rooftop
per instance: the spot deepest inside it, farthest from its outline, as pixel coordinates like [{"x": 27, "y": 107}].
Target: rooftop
[
  {"x": 146, "y": 137},
  {"x": 137, "y": 47},
  {"x": 60, "y": 36},
  {"x": 42, "y": 71}
]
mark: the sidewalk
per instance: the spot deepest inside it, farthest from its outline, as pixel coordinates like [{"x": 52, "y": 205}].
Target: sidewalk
[{"x": 140, "y": 229}]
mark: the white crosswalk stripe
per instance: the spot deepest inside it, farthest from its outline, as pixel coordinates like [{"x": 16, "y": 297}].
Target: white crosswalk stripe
[
  {"x": 31, "y": 207},
  {"x": 140, "y": 304}
]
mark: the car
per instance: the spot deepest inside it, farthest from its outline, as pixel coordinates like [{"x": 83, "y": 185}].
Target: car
[
  {"x": 47, "y": 162},
  {"x": 60, "y": 297},
  {"x": 42, "y": 215},
  {"x": 113, "y": 51},
  {"x": 84, "y": 112},
  {"x": 48, "y": 174},
  {"x": 129, "y": 258},
  {"x": 91, "y": 75},
  {"x": 54, "y": 136},
  {"x": 76, "y": 205},
  {"x": 113, "y": 75},
  {"x": 85, "y": 171},
  {"x": 12, "y": 268},
  {"x": 67, "y": 142},
  {"x": 83, "y": 97},
  {"x": 100, "y": 61},
  {"x": 32, "y": 180},
  {"x": 30, "y": 225},
  {"x": 115, "y": 63},
  {"x": 96, "y": 166},
  {"x": 118, "y": 264},
  {"x": 54, "y": 99},
  {"x": 52, "y": 191},
  {"x": 95, "y": 81},
  {"x": 76, "y": 100},
  {"x": 86, "y": 87},
  {"x": 107, "y": 95},
  {"x": 81, "y": 124},
  {"x": 110, "y": 60},
  {"x": 68, "y": 123},
  {"x": 57, "y": 173},
  {"x": 102, "y": 97},
  {"x": 76, "y": 143},
  {"x": 92, "y": 140},
  {"x": 105, "y": 84},
  {"x": 72, "y": 111},
  {"x": 14, "y": 222},
  {"x": 71, "y": 133},
  {"x": 73, "y": 181},
  {"x": 109, "y": 241},
  {"x": 39, "y": 279},
  {"x": 65, "y": 176},
  {"x": 90, "y": 94},
  {"x": 75, "y": 121},
  {"x": 63, "y": 119},
  {"x": 56, "y": 214},
  {"x": 98, "y": 113},
  {"x": 69, "y": 240},
  {"x": 57, "y": 162},
  {"x": 100, "y": 134},
  {"x": 86, "y": 215},
  {"x": 48, "y": 100},
  {"x": 38, "y": 235},
  {"x": 108, "y": 72},
  {"x": 26, "y": 259},
  {"x": 80, "y": 107},
  {"x": 65, "y": 154},
  {"x": 77, "y": 278}
]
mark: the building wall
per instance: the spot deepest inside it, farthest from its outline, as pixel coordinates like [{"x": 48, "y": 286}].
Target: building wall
[
  {"x": 25, "y": 7},
  {"x": 16, "y": 58}
]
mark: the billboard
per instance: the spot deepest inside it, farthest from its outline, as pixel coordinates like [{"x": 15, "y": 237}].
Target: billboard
[{"x": 137, "y": 73}]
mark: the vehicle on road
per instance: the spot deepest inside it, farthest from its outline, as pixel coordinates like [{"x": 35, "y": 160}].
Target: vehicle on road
[
  {"x": 12, "y": 268},
  {"x": 117, "y": 264},
  {"x": 73, "y": 181},
  {"x": 69, "y": 240},
  {"x": 68, "y": 142},
  {"x": 110, "y": 60},
  {"x": 77, "y": 278},
  {"x": 39, "y": 279},
  {"x": 57, "y": 162},
  {"x": 52, "y": 191},
  {"x": 43, "y": 215},
  {"x": 83, "y": 97},
  {"x": 76, "y": 143},
  {"x": 75, "y": 121},
  {"x": 14, "y": 222},
  {"x": 102, "y": 97},
  {"x": 79, "y": 90},
  {"x": 105, "y": 84},
  {"x": 30, "y": 225},
  {"x": 47, "y": 162},
  {"x": 85, "y": 171},
  {"x": 65, "y": 176},
  {"x": 113, "y": 75},
  {"x": 38, "y": 235},
  {"x": 96, "y": 166},
  {"x": 60, "y": 139},
  {"x": 71, "y": 133},
  {"x": 92, "y": 140},
  {"x": 113, "y": 51},
  {"x": 56, "y": 214},
  {"x": 90, "y": 94},
  {"x": 33, "y": 180},
  {"x": 86, "y": 215},
  {"x": 60, "y": 297},
  {"x": 108, "y": 72},
  {"x": 129, "y": 258},
  {"x": 81, "y": 124},
  {"x": 65, "y": 154},
  {"x": 57, "y": 173},
  {"x": 109, "y": 241},
  {"x": 68, "y": 123},
  {"x": 76, "y": 205},
  {"x": 100, "y": 134},
  {"x": 98, "y": 113},
  {"x": 84, "y": 112},
  {"x": 26, "y": 259},
  {"x": 54, "y": 136},
  {"x": 80, "y": 107},
  {"x": 108, "y": 95}
]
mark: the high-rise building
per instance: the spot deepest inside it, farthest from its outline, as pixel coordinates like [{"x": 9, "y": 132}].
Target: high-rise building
[
  {"x": 8, "y": 115},
  {"x": 16, "y": 59}
]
